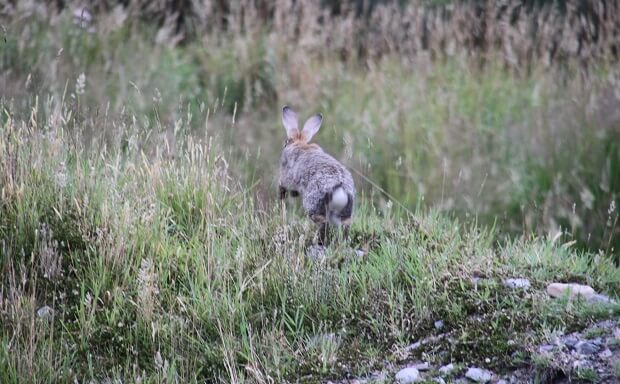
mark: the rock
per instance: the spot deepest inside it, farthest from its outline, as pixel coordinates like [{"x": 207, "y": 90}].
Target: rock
[
  {"x": 45, "y": 312},
  {"x": 478, "y": 375},
  {"x": 570, "y": 341},
  {"x": 408, "y": 375},
  {"x": 446, "y": 369},
  {"x": 579, "y": 364},
  {"x": 439, "y": 380},
  {"x": 360, "y": 253},
  {"x": 574, "y": 290},
  {"x": 517, "y": 283},
  {"x": 599, "y": 298},
  {"x": 502, "y": 381},
  {"x": 586, "y": 347},
  {"x": 546, "y": 348},
  {"x": 606, "y": 354},
  {"x": 439, "y": 324}
]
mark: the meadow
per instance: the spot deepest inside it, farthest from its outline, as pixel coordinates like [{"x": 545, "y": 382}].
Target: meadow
[{"x": 141, "y": 239}]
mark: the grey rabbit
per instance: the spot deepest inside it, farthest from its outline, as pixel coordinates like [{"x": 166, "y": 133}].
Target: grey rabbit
[{"x": 325, "y": 185}]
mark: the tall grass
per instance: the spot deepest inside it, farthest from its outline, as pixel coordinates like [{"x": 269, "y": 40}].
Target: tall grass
[{"x": 520, "y": 132}]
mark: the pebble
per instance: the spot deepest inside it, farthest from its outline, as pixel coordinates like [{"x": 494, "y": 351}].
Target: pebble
[
  {"x": 517, "y": 283},
  {"x": 599, "y": 298},
  {"x": 546, "y": 348},
  {"x": 446, "y": 369},
  {"x": 570, "y": 341},
  {"x": 45, "y": 312},
  {"x": 407, "y": 375},
  {"x": 439, "y": 324},
  {"x": 586, "y": 348},
  {"x": 606, "y": 354},
  {"x": 439, "y": 380},
  {"x": 574, "y": 290},
  {"x": 478, "y": 375},
  {"x": 360, "y": 253}
]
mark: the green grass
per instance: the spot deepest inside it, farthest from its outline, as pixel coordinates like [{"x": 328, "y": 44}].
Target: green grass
[
  {"x": 533, "y": 152},
  {"x": 165, "y": 269}
]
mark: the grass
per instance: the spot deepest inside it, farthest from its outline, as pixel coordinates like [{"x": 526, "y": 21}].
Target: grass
[
  {"x": 137, "y": 184},
  {"x": 163, "y": 269},
  {"x": 528, "y": 151}
]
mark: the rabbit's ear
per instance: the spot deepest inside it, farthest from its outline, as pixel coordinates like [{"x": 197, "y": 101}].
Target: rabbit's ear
[
  {"x": 312, "y": 126},
  {"x": 290, "y": 121}
]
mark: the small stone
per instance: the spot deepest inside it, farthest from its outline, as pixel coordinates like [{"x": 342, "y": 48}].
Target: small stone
[
  {"x": 517, "y": 283},
  {"x": 422, "y": 366},
  {"x": 502, "y": 381},
  {"x": 439, "y": 380},
  {"x": 577, "y": 364},
  {"x": 446, "y": 369},
  {"x": 597, "y": 341},
  {"x": 606, "y": 354},
  {"x": 407, "y": 375},
  {"x": 360, "y": 252},
  {"x": 45, "y": 312},
  {"x": 599, "y": 298},
  {"x": 574, "y": 290},
  {"x": 545, "y": 348},
  {"x": 479, "y": 375},
  {"x": 413, "y": 346},
  {"x": 570, "y": 341},
  {"x": 586, "y": 348},
  {"x": 439, "y": 324}
]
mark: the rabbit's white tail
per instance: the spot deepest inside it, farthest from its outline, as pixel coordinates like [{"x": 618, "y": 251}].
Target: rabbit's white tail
[{"x": 339, "y": 200}]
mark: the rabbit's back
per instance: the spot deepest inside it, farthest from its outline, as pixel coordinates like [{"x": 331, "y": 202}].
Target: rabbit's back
[{"x": 315, "y": 175}]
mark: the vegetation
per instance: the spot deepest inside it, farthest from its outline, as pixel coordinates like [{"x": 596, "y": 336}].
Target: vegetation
[{"x": 138, "y": 164}]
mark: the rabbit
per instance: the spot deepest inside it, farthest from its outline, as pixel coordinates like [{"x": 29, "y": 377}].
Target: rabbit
[{"x": 325, "y": 185}]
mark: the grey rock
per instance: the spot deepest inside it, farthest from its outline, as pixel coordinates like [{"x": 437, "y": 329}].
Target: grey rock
[
  {"x": 479, "y": 375},
  {"x": 570, "y": 341},
  {"x": 572, "y": 290},
  {"x": 502, "y": 381},
  {"x": 360, "y": 253},
  {"x": 45, "y": 312},
  {"x": 597, "y": 341},
  {"x": 439, "y": 324},
  {"x": 606, "y": 354},
  {"x": 546, "y": 348},
  {"x": 599, "y": 298},
  {"x": 439, "y": 380},
  {"x": 446, "y": 369},
  {"x": 517, "y": 283},
  {"x": 586, "y": 347},
  {"x": 408, "y": 375}
]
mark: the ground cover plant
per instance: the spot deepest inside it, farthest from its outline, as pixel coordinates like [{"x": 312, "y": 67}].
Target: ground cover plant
[{"x": 141, "y": 238}]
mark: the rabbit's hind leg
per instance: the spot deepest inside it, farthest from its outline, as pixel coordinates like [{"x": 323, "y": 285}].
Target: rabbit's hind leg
[{"x": 323, "y": 228}]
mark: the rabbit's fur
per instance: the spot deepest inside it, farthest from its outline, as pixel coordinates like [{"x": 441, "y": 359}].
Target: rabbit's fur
[{"x": 325, "y": 185}]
